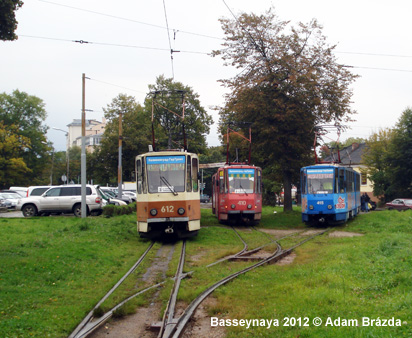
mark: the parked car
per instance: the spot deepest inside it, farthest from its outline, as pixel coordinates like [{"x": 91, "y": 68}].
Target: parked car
[
  {"x": 37, "y": 190},
  {"x": 110, "y": 200},
  {"x": 112, "y": 192},
  {"x": 10, "y": 199},
  {"x": 204, "y": 198},
  {"x": 62, "y": 199},
  {"x": 400, "y": 204},
  {"x": 130, "y": 194},
  {"x": 20, "y": 190},
  {"x": 3, "y": 205}
]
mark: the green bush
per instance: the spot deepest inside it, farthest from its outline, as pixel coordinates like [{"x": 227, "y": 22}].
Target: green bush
[{"x": 115, "y": 210}]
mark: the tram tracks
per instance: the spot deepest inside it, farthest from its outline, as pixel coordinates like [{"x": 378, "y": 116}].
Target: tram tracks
[{"x": 174, "y": 327}]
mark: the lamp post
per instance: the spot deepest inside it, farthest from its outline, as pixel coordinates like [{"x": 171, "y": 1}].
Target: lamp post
[{"x": 67, "y": 152}]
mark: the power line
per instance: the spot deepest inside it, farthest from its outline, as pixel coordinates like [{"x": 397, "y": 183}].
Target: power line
[
  {"x": 375, "y": 54},
  {"x": 114, "y": 85},
  {"x": 183, "y": 51},
  {"x": 126, "y": 19},
  {"x": 109, "y": 44},
  {"x": 168, "y": 35}
]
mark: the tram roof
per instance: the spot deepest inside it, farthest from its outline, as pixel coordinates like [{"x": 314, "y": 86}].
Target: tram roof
[{"x": 168, "y": 153}]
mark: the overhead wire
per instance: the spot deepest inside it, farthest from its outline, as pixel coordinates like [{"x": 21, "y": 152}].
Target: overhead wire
[
  {"x": 168, "y": 35},
  {"x": 127, "y": 19},
  {"x": 109, "y": 44}
]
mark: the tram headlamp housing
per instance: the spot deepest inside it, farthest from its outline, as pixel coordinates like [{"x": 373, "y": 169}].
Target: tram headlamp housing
[
  {"x": 233, "y": 206},
  {"x": 153, "y": 212},
  {"x": 311, "y": 207},
  {"x": 330, "y": 207},
  {"x": 249, "y": 206},
  {"x": 180, "y": 211}
]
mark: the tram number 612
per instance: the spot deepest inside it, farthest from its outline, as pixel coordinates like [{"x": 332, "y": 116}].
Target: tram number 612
[{"x": 168, "y": 208}]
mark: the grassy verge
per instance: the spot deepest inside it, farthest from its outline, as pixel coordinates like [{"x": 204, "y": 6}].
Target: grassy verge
[
  {"x": 54, "y": 270},
  {"x": 337, "y": 278}
]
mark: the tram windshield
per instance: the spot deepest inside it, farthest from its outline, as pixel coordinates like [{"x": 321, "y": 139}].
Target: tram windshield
[
  {"x": 166, "y": 173},
  {"x": 320, "y": 181},
  {"x": 241, "y": 181}
]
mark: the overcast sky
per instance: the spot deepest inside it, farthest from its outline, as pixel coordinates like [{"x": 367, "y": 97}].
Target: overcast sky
[{"x": 131, "y": 48}]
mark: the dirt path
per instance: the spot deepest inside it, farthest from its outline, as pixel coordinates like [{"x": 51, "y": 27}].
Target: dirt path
[{"x": 138, "y": 324}]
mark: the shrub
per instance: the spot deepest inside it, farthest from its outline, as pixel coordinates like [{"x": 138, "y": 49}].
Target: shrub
[{"x": 114, "y": 210}]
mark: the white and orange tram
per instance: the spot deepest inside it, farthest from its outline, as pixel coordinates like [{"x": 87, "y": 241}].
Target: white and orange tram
[{"x": 168, "y": 197}]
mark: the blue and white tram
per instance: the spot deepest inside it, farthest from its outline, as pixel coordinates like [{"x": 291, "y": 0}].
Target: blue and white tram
[{"x": 330, "y": 193}]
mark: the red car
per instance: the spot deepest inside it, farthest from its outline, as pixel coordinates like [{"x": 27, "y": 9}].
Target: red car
[{"x": 400, "y": 204}]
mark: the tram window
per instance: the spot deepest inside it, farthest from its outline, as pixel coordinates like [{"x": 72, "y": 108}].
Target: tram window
[
  {"x": 341, "y": 182},
  {"x": 189, "y": 174},
  {"x": 165, "y": 174},
  {"x": 303, "y": 180},
  {"x": 259, "y": 182},
  {"x": 144, "y": 186},
  {"x": 348, "y": 181},
  {"x": 222, "y": 182},
  {"x": 195, "y": 171},
  {"x": 139, "y": 176}
]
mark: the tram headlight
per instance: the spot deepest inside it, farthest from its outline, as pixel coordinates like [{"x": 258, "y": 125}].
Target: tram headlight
[
  {"x": 153, "y": 212},
  {"x": 311, "y": 207},
  {"x": 180, "y": 211},
  {"x": 233, "y": 206},
  {"x": 330, "y": 207},
  {"x": 249, "y": 206}
]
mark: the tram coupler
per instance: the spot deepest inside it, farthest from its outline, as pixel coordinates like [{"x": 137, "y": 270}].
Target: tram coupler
[{"x": 169, "y": 230}]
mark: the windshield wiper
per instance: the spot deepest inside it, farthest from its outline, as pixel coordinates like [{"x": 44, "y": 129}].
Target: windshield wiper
[
  {"x": 165, "y": 181},
  {"x": 240, "y": 185}
]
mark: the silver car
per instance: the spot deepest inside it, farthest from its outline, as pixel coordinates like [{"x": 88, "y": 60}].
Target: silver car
[{"x": 62, "y": 199}]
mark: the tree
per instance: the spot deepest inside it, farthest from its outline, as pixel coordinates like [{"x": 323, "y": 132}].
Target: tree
[
  {"x": 103, "y": 163},
  {"x": 400, "y": 156},
  {"x": 12, "y": 165},
  {"x": 168, "y": 103},
  {"x": 8, "y": 22},
  {"x": 375, "y": 157},
  {"x": 27, "y": 113},
  {"x": 289, "y": 82}
]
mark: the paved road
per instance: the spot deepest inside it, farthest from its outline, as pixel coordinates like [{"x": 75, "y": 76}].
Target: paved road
[{"x": 11, "y": 214}]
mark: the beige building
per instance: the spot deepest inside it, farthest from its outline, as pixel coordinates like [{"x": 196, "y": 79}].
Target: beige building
[{"x": 94, "y": 133}]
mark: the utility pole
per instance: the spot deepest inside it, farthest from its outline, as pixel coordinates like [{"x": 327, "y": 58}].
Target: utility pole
[
  {"x": 83, "y": 154},
  {"x": 119, "y": 170}
]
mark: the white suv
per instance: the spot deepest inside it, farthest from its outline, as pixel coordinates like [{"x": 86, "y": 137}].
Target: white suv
[{"x": 62, "y": 199}]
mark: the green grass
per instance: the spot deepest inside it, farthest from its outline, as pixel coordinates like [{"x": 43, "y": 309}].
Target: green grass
[
  {"x": 53, "y": 270},
  {"x": 350, "y": 278}
]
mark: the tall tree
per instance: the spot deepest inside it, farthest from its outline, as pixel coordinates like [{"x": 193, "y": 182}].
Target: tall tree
[
  {"x": 28, "y": 114},
  {"x": 400, "y": 156},
  {"x": 375, "y": 157},
  {"x": 168, "y": 105},
  {"x": 12, "y": 166},
  {"x": 289, "y": 82},
  {"x": 103, "y": 163},
  {"x": 8, "y": 22}
]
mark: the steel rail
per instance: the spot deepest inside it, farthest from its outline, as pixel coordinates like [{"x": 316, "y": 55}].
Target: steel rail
[
  {"x": 89, "y": 316},
  {"x": 183, "y": 320},
  {"x": 167, "y": 323}
]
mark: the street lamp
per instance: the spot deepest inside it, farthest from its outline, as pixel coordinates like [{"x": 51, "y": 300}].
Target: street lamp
[{"x": 67, "y": 151}]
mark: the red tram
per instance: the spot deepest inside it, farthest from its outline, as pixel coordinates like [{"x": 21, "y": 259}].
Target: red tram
[
  {"x": 237, "y": 193},
  {"x": 237, "y": 189}
]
